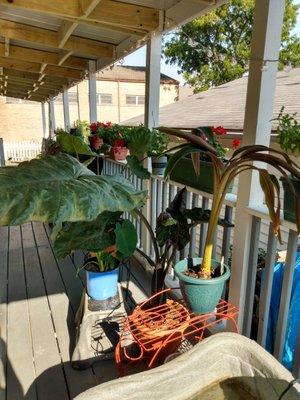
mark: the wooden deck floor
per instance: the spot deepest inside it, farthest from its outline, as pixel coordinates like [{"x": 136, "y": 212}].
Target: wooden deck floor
[{"x": 39, "y": 296}]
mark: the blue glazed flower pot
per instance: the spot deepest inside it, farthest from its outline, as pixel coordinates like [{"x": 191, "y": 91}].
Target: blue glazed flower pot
[
  {"x": 102, "y": 285},
  {"x": 201, "y": 295}
]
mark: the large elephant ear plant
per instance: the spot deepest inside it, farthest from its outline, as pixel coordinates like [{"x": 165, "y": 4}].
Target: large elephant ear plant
[
  {"x": 60, "y": 189},
  {"x": 224, "y": 173}
]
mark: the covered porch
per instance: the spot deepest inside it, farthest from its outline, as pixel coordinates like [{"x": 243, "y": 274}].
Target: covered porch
[{"x": 47, "y": 49}]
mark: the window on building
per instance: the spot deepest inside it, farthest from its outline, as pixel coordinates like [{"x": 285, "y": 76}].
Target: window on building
[
  {"x": 14, "y": 100},
  {"x": 104, "y": 98},
  {"x": 72, "y": 98},
  {"x": 135, "y": 100}
]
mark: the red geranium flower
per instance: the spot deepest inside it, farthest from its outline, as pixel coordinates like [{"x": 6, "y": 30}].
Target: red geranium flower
[
  {"x": 94, "y": 127},
  {"x": 219, "y": 130},
  {"x": 236, "y": 143}
]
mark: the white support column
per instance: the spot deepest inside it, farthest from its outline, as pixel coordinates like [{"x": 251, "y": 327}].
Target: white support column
[
  {"x": 92, "y": 91},
  {"x": 152, "y": 92},
  {"x": 266, "y": 39},
  {"x": 66, "y": 110},
  {"x": 153, "y": 59},
  {"x": 52, "y": 124},
  {"x": 44, "y": 122}
]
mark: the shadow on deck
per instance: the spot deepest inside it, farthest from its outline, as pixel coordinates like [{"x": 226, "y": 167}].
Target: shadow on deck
[{"x": 39, "y": 296}]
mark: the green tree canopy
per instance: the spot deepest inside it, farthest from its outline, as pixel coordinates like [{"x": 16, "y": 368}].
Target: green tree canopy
[{"x": 215, "y": 48}]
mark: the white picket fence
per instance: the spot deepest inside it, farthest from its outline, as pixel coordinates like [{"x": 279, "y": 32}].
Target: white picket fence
[{"x": 21, "y": 151}]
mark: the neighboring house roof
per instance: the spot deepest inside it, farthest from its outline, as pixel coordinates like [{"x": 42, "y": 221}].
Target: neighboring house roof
[
  {"x": 225, "y": 104},
  {"x": 185, "y": 91},
  {"x": 130, "y": 74}
]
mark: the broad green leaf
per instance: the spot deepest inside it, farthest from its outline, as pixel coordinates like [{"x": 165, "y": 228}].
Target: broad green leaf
[
  {"x": 126, "y": 239},
  {"x": 73, "y": 144},
  {"x": 136, "y": 167},
  {"x": 93, "y": 236},
  {"x": 58, "y": 189},
  {"x": 139, "y": 138}
]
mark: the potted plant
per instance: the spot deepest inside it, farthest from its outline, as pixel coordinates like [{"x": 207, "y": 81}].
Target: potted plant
[
  {"x": 156, "y": 150},
  {"x": 95, "y": 140},
  {"x": 61, "y": 190},
  {"x": 202, "y": 279},
  {"x": 289, "y": 139},
  {"x": 201, "y": 177},
  {"x": 108, "y": 240}
]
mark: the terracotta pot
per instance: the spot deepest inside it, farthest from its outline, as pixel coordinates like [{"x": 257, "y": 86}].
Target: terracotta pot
[
  {"x": 95, "y": 142},
  {"x": 119, "y": 153},
  {"x": 118, "y": 143}
]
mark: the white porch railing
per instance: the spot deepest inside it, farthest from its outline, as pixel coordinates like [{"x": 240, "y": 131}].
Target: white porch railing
[
  {"x": 21, "y": 151},
  {"x": 161, "y": 193}
]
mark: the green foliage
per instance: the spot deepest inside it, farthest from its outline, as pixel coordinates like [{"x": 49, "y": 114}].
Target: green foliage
[
  {"x": 58, "y": 189},
  {"x": 138, "y": 139},
  {"x": 106, "y": 261},
  {"x": 137, "y": 168},
  {"x": 92, "y": 236},
  {"x": 215, "y": 49},
  {"x": 288, "y": 132},
  {"x": 73, "y": 145},
  {"x": 158, "y": 143},
  {"x": 82, "y": 130},
  {"x": 126, "y": 239}
]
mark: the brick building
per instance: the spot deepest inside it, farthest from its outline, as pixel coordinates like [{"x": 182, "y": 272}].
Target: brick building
[{"x": 120, "y": 96}]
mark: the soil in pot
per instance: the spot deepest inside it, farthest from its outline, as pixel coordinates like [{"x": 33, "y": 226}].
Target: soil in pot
[{"x": 201, "y": 295}]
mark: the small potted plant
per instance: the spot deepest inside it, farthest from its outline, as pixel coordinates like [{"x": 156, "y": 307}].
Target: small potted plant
[
  {"x": 95, "y": 140},
  {"x": 289, "y": 139},
  {"x": 117, "y": 139},
  {"x": 157, "y": 147},
  {"x": 201, "y": 177},
  {"x": 202, "y": 279},
  {"x": 109, "y": 241}
]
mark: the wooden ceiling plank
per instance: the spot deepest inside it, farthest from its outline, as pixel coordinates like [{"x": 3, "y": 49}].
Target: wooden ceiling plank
[
  {"x": 108, "y": 11},
  {"x": 46, "y": 37},
  {"x": 26, "y": 54}
]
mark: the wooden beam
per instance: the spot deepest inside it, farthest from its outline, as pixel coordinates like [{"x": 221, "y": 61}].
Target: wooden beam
[
  {"x": 46, "y": 37},
  {"x": 26, "y": 54},
  {"x": 51, "y": 70},
  {"x": 107, "y": 12}
]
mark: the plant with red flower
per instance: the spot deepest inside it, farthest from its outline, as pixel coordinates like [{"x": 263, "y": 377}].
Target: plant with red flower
[
  {"x": 94, "y": 127},
  {"x": 236, "y": 143},
  {"x": 219, "y": 130}
]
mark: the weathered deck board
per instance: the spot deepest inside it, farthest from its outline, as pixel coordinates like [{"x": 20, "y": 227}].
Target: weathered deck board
[
  {"x": 45, "y": 346},
  {"x": 3, "y": 308},
  {"x": 39, "y": 296},
  {"x": 20, "y": 365}
]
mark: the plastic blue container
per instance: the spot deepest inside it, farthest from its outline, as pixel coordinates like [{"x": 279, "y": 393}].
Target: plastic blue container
[{"x": 102, "y": 285}]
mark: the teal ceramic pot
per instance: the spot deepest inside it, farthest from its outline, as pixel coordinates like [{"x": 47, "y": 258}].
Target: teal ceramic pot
[
  {"x": 289, "y": 205},
  {"x": 201, "y": 295}
]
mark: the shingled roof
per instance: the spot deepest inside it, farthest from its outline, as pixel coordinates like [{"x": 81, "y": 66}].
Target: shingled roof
[
  {"x": 128, "y": 73},
  {"x": 225, "y": 104}
]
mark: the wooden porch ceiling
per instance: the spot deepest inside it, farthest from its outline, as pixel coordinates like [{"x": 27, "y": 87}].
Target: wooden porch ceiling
[{"x": 53, "y": 41}]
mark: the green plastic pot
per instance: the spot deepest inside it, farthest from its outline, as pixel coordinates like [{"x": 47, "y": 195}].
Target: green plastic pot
[
  {"x": 201, "y": 295},
  {"x": 289, "y": 199},
  {"x": 184, "y": 173}
]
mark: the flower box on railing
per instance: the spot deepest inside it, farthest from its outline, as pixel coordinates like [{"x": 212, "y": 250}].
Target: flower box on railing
[{"x": 184, "y": 173}]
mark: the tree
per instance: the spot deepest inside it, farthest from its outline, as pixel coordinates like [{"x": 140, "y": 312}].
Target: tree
[{"x": 215, "y": 49}]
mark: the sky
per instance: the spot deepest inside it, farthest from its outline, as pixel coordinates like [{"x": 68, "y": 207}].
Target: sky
[{"x": 139, "y": 56}]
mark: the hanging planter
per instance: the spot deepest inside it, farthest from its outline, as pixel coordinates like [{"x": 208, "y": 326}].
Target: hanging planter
[{"x": 201, "y": 295}]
